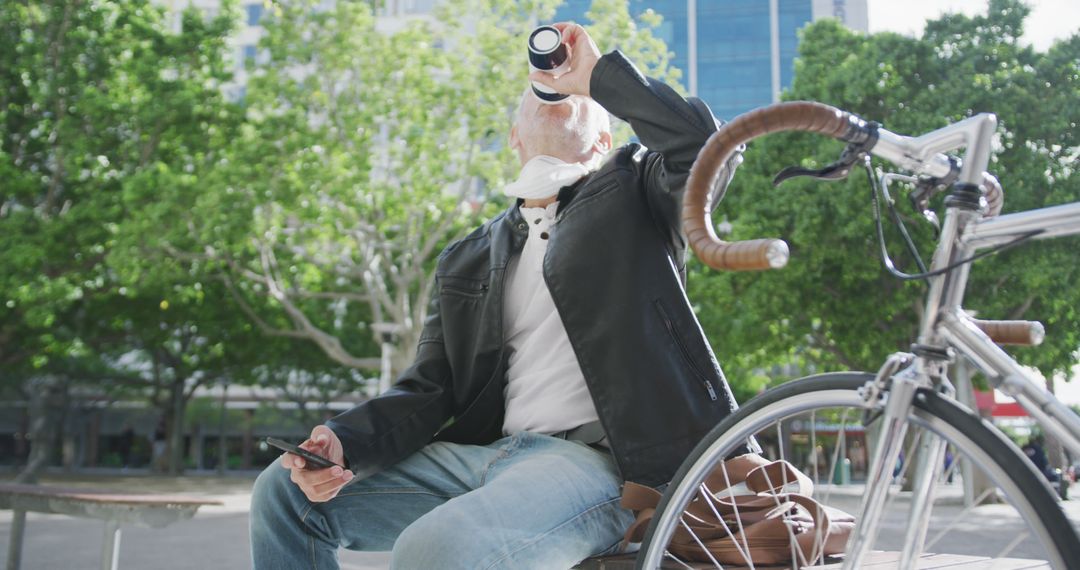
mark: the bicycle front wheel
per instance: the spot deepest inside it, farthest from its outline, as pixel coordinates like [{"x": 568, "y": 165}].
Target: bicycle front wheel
[{"x": 995, "y": 508}]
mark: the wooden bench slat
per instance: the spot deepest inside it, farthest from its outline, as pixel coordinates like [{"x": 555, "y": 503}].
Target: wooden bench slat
[{"x": 103, "y": 496}]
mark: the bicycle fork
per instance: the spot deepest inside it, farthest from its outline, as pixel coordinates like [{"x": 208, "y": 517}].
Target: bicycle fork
[
  {"x": 898, "y": 389},
  {"x": 931, "y": 457}
]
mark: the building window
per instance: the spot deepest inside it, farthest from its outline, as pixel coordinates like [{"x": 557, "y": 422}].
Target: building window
[{"x": 254, "y": 13}]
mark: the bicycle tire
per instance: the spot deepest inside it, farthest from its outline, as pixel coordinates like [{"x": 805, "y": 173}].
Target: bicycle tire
[{"x": 997, "y": 456}]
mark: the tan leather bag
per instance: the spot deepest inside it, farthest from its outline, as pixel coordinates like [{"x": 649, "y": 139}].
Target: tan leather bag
[{"x": 755, "y": 511}]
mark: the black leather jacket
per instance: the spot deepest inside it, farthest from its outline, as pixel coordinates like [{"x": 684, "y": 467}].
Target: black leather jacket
[{"x": 615, "y": 269}]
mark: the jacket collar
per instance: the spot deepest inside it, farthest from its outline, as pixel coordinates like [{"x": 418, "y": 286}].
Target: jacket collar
[{"x": 566, "y": 195}]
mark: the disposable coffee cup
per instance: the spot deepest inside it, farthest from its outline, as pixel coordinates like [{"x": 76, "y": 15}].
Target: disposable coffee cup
[{"x": 549, "y": 54}]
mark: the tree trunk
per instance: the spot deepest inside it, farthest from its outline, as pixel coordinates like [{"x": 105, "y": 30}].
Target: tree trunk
[
  {"x": 93, "y": 439},
  {"x": 249, "y": 439},
  {"x": 223, "y": 450},
  {"x": 976, "y": 484},
  {"x": 195, "y": 446},
  {"x": 46, "y": 398},
  {"x": 23, "y": 439},
  {"x": 176, "y": 429},
  {"x": 1055, "y": 452}
]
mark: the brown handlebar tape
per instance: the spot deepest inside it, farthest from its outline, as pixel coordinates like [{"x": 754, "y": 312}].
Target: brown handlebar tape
[
  {"x": 754, "y": 254},
  {"x": 807, "y": 116},
  {"x": 1021, "y": 333}
]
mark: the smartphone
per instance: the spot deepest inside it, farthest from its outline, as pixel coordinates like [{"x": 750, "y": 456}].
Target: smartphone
[{"x": 311, "y": 460}]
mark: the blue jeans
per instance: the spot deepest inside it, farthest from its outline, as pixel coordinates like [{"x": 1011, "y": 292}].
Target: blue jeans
[{"x": 525, "y": 501}]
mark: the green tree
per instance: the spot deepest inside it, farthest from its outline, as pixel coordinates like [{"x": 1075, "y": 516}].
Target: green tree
[
  {"x": 105, "y": 110},
  {"x": 834, "y": 306},
  {"x": 155, "y": 237},
  {"x": 614, "y": 27},
  {"x": 365, "y": 150}
]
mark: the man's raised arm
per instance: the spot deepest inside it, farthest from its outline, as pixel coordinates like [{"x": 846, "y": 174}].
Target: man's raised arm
[{"x": 673, "y": 129}]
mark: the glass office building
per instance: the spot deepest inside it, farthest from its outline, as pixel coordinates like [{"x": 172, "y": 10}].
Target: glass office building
[{"x": 735, "y": 54}]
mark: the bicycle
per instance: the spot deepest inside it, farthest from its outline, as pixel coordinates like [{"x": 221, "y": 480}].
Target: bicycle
[{"x": 911, "y": 396}]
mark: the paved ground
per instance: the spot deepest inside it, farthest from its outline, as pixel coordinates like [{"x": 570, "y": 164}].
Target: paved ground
[{"x": 217, "y": 536}]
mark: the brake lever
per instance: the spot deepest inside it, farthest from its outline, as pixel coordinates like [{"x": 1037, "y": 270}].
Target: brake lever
[
  {"x": 835, "y": 171},
  {"x": 920, "y": 202},
  {"x": 927, "y": 187},
  {"x": 838, "y": 170}
]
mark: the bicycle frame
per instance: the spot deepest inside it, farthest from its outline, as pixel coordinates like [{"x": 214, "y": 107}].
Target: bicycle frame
[{"x": 946, "y": 327}]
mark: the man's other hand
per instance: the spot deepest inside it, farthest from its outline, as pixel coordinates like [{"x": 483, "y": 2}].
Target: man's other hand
[
  {"x": 583, "y": 57},
  {"x": 319, "y": 485}
]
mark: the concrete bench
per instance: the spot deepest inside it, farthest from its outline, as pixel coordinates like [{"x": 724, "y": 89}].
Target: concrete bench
[{"x": 154, "y": 511}]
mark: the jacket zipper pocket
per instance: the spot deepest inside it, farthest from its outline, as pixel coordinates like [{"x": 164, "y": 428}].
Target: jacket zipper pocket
[
  {"x": 465, "y": 292},
  {"x": 682, "y": 348}
]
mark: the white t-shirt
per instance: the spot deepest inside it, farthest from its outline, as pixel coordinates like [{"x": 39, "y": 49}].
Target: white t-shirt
[{"x": 545, "y": 389}]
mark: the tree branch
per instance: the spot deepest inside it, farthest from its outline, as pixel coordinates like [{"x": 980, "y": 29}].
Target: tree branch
[
  {"x": 1018, "y": 312},
  {"x": 56, "y": 51},
  {"x": 330, "y": 344},
  {"x": 259, "y": 322}
]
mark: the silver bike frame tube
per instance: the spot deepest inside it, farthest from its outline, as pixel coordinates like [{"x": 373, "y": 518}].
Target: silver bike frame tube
[
  {"x": 1009, "y": 377},
  {"x": 931, "y": 457},
  {"x": 897, "y": 150},
  {"x": 894, "y": 423},
  {"x": 1054, "y": 221},
  {"x": 922, "y": 154}
]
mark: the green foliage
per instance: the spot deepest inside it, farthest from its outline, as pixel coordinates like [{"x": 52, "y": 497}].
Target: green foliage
[
  {"x": 365, "y": 149},
  {"x": 613, "y": 27},
  {"x": 834, "y": 306},
  {"x": 156, "y": 235},
  {"x": 97, "y": 100}
]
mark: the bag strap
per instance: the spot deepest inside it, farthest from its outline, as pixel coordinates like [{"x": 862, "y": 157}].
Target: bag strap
[
  {"x": 779, "y": 477},
  {"x": 767, "y": 539},
  {"x": 772, "y": 484},
  {"x": 643, "y": 501},
  {"x": 734, "y": 471}
]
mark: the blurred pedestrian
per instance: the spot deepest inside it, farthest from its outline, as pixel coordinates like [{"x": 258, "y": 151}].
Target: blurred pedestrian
[
  {"x": 159, "y": 446},
  {"x": 1034, "y": 451},
  {"x": 126, "y": 444},
  {"x": 948, "y": 465}
]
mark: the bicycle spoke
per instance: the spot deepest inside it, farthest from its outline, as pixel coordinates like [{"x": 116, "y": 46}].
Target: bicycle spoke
[
  {"x": 676, "y": 559},
  {"x": 780, "y": 441},
  {"x": 738, "y": 519},
  {"x": 1012, "y": 545},
  {"x": 962, "y": 516},
  {"x": 702, "y": 545},
  {"x": 796, "y": 553},
  {"x": 841, "y": 443},
  {"x": 813, "y": 447}
]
